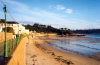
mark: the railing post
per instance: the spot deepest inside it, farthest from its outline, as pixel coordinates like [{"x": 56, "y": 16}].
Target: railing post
[
  {"x": 5, "y": 43},
  {"x": 10, "y": 45}
]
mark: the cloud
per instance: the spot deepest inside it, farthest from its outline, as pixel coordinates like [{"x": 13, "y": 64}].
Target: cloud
[
  {"x": 27, "y": 14},
  {"x": 60, "y": 7},
  {"x": 69, "y": 11},
  {"x": 64, "y": 9},
  {"x": 15, "y": 3},
  {"x": 23, "y": 12}
]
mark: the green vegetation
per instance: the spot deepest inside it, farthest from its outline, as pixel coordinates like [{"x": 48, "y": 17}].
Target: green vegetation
[
  {"x": 48, "y": 29},
  {"x": 9, "y": 30}
]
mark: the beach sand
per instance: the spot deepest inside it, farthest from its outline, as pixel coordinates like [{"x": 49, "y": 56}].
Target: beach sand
[{"x": 37, "y": 53}]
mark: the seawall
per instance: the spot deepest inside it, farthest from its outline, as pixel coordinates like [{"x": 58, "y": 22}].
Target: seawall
[
  {"x": 2, "y": 36},
  {"x": 18, "y": 57}
]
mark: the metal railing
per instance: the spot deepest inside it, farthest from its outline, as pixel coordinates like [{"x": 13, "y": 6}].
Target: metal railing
[{"x": 12, "y": 44}]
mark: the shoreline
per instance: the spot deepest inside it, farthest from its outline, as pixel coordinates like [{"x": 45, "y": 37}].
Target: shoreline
[
  {"x": 67, "y": 57},
  {"x": 95, "y": 55},
  {"x": 53, "y": 55}
]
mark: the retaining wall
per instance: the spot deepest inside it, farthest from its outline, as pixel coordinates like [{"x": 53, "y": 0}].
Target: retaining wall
[
  {"x": 19, "y": 55},
  {"x": 9, "y": 36}
]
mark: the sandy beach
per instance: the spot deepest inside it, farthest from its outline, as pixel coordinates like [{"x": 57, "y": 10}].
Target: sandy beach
[{"x": 37, "y": 53}]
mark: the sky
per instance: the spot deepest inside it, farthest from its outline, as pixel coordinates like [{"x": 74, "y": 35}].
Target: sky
[{"x": 72, "y": 14}]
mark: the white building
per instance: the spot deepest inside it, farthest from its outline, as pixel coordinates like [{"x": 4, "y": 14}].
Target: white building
[
  {"x": 18, "y": 28},
  {"x": 1, "y": 24},
  {"x": 22, "y": 29}
]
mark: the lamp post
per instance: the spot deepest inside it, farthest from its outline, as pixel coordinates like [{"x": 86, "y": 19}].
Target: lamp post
[{"x": 5, "y": 42}]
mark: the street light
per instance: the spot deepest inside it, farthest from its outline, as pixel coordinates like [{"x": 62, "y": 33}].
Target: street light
[{"x": 5, "y": 42}]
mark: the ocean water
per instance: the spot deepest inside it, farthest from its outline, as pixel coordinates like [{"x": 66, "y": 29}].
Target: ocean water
[{"x": 83, "y": 47}]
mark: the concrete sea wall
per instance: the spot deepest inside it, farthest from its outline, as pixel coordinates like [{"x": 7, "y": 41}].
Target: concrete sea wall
[{"x": 19, "y": 57}]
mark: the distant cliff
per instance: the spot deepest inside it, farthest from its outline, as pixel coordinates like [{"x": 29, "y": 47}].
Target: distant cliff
[{"x": 88, "y": 31}]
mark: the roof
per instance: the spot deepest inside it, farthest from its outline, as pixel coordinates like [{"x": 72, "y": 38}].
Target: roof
[
  {"x": 12, "y": 22},
  {"x": 2, "y": 20},
  {"x": 8, "y": 22}
]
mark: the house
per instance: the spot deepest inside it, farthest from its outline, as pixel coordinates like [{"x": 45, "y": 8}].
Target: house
[
  {"x": 22, "y": 29},
  {"x": 1, "y": 24},
  {"x": 18, "y": 28},
  {"x": 14, "y": 25}
]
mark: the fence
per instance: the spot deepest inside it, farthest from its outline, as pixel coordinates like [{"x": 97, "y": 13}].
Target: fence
[{"x": 12, "y": 44}]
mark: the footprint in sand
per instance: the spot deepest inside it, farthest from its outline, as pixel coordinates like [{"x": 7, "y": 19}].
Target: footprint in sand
[
  {"x": 52, "y": 53},
  {"x": 33, "y": 56}
]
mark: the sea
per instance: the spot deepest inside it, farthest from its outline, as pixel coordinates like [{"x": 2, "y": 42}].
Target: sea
[{"x": 85, "y": 47}]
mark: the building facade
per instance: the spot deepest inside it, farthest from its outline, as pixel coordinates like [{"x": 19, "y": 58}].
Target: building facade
[
  {"x": 18, "y": 28},
  {"x": 1, "y": 24}
]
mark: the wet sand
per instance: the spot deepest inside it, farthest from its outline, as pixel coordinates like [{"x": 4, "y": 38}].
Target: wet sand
[{"x": 37, "y": 53}]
